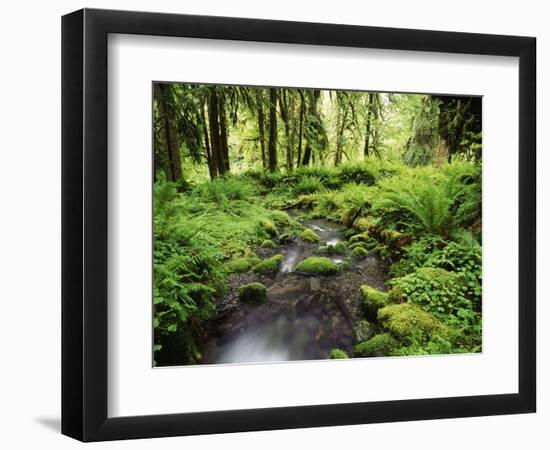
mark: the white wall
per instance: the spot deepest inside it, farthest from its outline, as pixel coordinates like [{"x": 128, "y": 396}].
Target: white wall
[{"x": 30, "y": 237}]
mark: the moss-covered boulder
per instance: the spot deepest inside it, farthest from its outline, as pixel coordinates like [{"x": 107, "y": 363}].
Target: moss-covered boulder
[
  {"x": 373, "y": 299},
  {"x": 317, "y": 266},
  {"x": 268, "y": 227},
  {"x": 326, "y": 249},
  {"x": 360, "y": 237},
  {"x": 285, "y": 238},
  {"x": 383, "y": 344},
  {"x": 280, "y": 218},
  {"x": 340, "y": 247},
  {"x": 269, "y": 265},
  {"x": 359, "y": 253},
  {"x": 242, "y": 264},
  {"x": 337, "y": 353},
  {"x": 268, "y": 244},
  {"x": 309, "y": 235},
  {"x": 252, "y": 293},
  {"x": 410, "y": 323},
  {"x": 364, "y": 223}
]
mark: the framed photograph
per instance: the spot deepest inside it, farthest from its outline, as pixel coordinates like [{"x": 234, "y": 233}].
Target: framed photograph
[{"x": 273, "y": 224}]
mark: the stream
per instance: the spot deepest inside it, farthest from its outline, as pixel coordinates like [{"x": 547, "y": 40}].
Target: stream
[{"x": 303, "y": 317}]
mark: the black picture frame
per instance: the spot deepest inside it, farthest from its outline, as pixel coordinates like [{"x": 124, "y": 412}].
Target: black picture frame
[{"x": 84, "y": 224}]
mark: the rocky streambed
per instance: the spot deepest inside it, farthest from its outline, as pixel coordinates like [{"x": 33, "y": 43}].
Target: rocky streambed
[{"x": 304, "y": 315}]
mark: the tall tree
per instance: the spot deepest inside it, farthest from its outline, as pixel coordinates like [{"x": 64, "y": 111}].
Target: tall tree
[
  {"x": 301, "y": 126},
  {"x": 261, "y": 125},
  {"x": 212, "y": 169},
  {"x": 166, "y": 109},
  {"x": 283, "y": 106},
  {"x": 344, "y": 107},
  {"x": 316, "y": 138},
  {"x": 272, "y": 146},
  {"x": 223, "y": 131},
  {"x": 215, "y": 138}
]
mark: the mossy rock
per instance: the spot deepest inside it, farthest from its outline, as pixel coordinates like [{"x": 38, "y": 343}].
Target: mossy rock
[
  {"x": 268, "y": 227},
  {"x": 242, "y": 264},
  {"x": 340, "y": 247},
  {"x": 285, "y": 238},
  {"x": 280, "y": 218},
  {"x": 410, "y": 323},
  {"x": 343, "y": 265},
  {"x": 364, "y": 223},
  {"x": 268, "y": 265},
  {"x": 337, "y": 353},
  {"x": 268, "y": 244},
  {"x": 359, "y": 253},
  {"x": 326, "y": 249},
  {"x": 383, "y": 344},
  {"x": 361, "y": 237},
  {"x": 309, "y": 235},
  {"x": 317, "y": 266},
  {"x": 362, "y": 331},
  {"x": 359, "y": 244},
  {"x": 252, "y": 293},
  {"x": 373, "y": 299}
]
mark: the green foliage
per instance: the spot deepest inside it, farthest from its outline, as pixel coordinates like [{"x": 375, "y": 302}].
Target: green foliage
[
  {"x": 252, "y": 293},
  {"x": 317, "y": 266},
  {"x": 421, "y": 148},
  {"x": 309, "y": 235},
  {"x": 383, "y": 344},
  {"x": 423, "y": 202},
  {"x": 437, "y": 290},
  {"x": 220, "y": 190},
  {"x": 362, "y": 331},
  {"x": 337, "y": 353},
  {"x": 269, "y": 265},
  {"x": 308, "y": 185}
]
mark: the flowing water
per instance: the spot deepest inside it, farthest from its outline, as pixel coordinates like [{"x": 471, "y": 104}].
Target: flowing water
[{"x": 303, "y": 317}]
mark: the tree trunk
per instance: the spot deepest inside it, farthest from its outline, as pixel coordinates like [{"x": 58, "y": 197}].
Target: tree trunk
[
  {"x": 367, "y": 131},
  {"x": 340, "y": 137},
  {"x": 301, "y": 128},
  {"x": 209, "y": 157},
  {"x": 272, "y": 147},
  {"x": 223, "y": 132},
  {"x": 284, "y": 115},
  {"x": 215, "y": 139},
  {"x": 314, "y": 97},
  {"x": 261, "y": 127},
  {"x": 173, "y": 171}
]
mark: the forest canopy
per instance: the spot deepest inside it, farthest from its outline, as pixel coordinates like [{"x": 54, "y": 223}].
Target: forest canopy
[
  {"x": 295, "y": 224},
  {"x": 205, "y": 131}
]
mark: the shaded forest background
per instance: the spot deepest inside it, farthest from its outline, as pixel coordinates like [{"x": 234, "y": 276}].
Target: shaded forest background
[{"x": 206, "y": 131}]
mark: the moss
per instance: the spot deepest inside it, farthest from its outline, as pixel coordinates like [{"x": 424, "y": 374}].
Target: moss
[
  {"x": 360, "y": 244},
  {"x": 252, "y": 293},
  {"x": 361, "y": 237},
  {"x": 268, "y": 227},
  {"x": 326, "y": 249},
  {"x": 281, "y": 218},
  {"x": 285, "y": 238},
  {"x": 309, "y": 235},
  {"x": 340, "y": 247},
  {"x": 268, "y": 265},
  {"x": 242, "y": 264},
  {"x": 343, "y": 265},
  {"x": 359, "y": 253},
  {"x": 362, "y": 331},
  {"x": 268, "y": 244},
  {"x": 364, "y": 223},
  {"x": 379, "y": 345},
  {"x": 317, "y": 266},
  {"x": 373, "y": 299},
  {"x": 411, "y": 323},
  {"x": 337, "y": 353}
]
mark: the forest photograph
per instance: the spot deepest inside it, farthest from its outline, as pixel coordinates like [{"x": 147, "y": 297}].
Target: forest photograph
[{"x": 314, "y": 224}]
